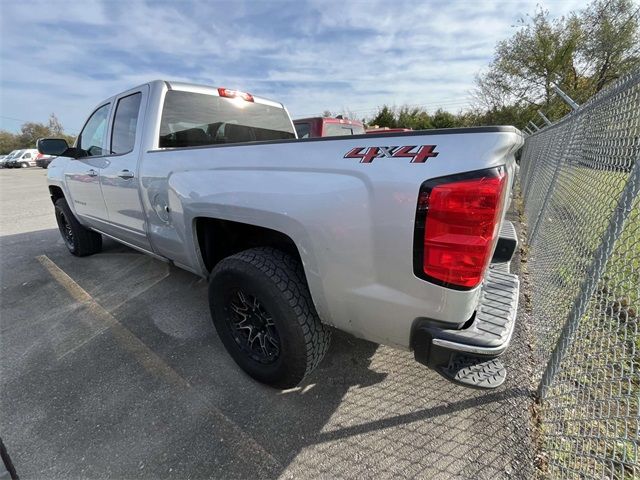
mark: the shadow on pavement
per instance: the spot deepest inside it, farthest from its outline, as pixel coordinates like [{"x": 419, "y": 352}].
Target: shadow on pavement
[{"x": 74, "y": 402}]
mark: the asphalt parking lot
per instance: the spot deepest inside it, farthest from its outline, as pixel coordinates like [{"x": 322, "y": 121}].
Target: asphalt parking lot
[{"x": 111, "y": 368}]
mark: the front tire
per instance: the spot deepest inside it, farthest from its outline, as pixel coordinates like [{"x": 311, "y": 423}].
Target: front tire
[
  {"x": 79, "y": 240},
  {"x": 24, "y": 165},
  {"x": 262, "y": 310}
]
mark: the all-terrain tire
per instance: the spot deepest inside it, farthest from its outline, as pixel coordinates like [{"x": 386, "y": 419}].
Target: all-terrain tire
[
  {"x": 79, "y": 240},
  {"x": 276, "y": 281}
]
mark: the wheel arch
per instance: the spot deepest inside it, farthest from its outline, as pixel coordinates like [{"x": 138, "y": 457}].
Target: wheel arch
[
  {"x": 218, "y": 238},
  {"x": 56, "y": 193}
]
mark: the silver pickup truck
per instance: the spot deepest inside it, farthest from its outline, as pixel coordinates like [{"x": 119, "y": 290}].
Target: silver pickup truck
[{"x": 399, "y": 239}]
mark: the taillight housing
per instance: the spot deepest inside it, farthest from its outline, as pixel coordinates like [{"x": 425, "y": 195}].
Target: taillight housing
[{"x": 457, "y": 226}]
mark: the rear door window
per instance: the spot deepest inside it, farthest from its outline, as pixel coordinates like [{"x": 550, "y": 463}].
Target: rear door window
[{"x": 125, "y": 121}]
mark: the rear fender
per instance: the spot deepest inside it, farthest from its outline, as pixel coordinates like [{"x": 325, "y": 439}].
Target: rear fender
[{"x": 298, "y": 204}]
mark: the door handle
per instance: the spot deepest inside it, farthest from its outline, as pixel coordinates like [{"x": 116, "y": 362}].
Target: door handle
[
  {"x": 125, "y": 174},
  {"x": 92, "y": 173}
]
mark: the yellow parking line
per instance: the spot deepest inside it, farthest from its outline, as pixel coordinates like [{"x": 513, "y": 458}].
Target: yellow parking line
[
  {"x": 143, "y": 354},
  {"x": 152, "y": 362}
]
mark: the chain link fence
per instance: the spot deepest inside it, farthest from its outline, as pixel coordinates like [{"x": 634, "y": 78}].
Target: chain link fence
[{"x": 580, "y": 180}]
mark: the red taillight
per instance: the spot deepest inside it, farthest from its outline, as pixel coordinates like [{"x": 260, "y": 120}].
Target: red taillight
[
  {"x": 457, "y": 226},
  {"x": 228, "y": 93}
]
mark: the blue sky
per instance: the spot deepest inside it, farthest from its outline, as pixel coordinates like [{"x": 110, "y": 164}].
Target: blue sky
[{"x": 65, "y": 56}]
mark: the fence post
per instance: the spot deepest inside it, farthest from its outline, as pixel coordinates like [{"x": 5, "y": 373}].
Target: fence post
[
  {"x": 594, "y": 273},
  {"x": 565, "y": 97},
  {"x": 544, "y": 117}
]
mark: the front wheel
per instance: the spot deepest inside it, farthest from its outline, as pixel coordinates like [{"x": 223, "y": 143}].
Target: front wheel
[
  {"x": 79, "y": 240},
  {"x": 262, "y": 310},
  {"x": 24, "y": 165}
]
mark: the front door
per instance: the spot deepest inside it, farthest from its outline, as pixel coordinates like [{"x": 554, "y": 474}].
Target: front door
[
  {"x": 119, "y": 177},
  {"x": 83, "y": 174}
]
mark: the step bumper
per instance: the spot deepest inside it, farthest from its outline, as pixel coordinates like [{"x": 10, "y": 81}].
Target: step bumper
[
  {"x": 468, "y": 356},
  {"x": 488, "y": 335},
  {"x": 507, "y": 243}
]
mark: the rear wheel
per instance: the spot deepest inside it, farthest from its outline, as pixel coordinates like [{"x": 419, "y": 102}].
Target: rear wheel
[
  {"x": 79, "y": 240},
  {"x": 263, "y": 313}
]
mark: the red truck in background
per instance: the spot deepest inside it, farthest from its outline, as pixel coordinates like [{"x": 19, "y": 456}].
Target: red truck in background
[
  {"x": 327, "y": 127},
  {"x": 388, "y": 130}
]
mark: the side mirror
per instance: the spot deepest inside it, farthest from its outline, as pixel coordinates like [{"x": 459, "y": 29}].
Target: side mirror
[
  {"x": 52, "y": 146},
  {"x": 58, "y": 147}
]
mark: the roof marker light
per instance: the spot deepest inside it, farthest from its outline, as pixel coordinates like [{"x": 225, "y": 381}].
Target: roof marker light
[{"x": 228, "y": 93}]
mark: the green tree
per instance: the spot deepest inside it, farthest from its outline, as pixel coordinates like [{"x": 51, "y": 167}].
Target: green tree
[
  {"x": 443, "y": 119},
  {"x": 610, "y": 44},
  {"x": 8, "y": 142},
  {"x": 29, "y": 134},
  {"x": 541, "y": 53},
  {"x": 414, "y": 118},
  {"x": 384, "y": 118},
  {"x": 582, "y": 53},
  {"x": 471, "y": 118}
]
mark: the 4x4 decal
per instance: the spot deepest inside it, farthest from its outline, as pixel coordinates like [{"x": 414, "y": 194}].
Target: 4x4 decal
[{"x": 417, "y": 154}]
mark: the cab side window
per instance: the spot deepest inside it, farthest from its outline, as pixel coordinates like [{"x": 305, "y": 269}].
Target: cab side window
[
  {"x": 123, "y": 136},
  {"x": 92, "y": 135}
]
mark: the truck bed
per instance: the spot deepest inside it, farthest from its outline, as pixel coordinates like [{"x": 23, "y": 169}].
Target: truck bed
[{"x": 359, "y": 217}]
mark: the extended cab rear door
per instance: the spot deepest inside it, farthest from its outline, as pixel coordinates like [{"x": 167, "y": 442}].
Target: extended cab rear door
[{"x": 119, "y": 177}]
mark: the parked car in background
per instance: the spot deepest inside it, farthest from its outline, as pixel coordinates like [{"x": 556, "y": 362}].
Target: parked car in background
[
  {"x": 388, "y": 130},
  {"x": 43, "y": 161},
  {"x": 327, "y": 127},
  {"x": 398, "y": 239},
  {"x": 27, "y": 158},
  {"x": 4, "y": 163}
]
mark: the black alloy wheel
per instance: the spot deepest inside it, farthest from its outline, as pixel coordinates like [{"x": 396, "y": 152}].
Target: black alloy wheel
[
  {"x": 65, "y": 229},
  {"x": 262, "y": 310},
  {"x": 79, "y": 240},
  {"x": 252, "y": 327}
]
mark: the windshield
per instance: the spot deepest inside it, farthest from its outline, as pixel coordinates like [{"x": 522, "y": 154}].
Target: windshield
[
  {"x": 15, "y": 153},
  {"x": 192, "y": 119},
  {"x": 339, "y": 129}
]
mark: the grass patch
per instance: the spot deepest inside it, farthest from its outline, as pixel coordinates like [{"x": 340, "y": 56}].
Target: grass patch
[{"x": 590, "y": 414}]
